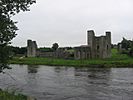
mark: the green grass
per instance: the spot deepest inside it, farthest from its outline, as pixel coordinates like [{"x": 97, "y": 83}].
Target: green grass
[
  {"x": 117, "y": 60},
  {"x": 11, "y": 96}
]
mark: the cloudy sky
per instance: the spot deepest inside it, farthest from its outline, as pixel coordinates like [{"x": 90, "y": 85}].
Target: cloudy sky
[{"x": 66, "y": 21}]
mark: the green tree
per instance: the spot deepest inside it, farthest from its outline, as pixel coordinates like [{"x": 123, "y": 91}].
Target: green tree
[
  {"x": 55, "y": 46},
  {"x": 8, "y": 28},
  {"x": 125, "y": 44}
]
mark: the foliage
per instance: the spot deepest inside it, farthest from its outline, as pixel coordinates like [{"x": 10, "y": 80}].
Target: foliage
[
  {"x": 8, "y": 28},
  {"x": 9, "y": 8},
  {"x": 4, "y": 57},
  {"x": 11, "y": 96},
  {"x": 55, "y": 46},
  {"x": 131, "y": 52},
  {"x": 18, "y": 50},
  {"x": 126, "y": 44},
  {"x": 127, "y": 47},
  {"x": 45, "y": 49},
  {"x": 69, "y": 48}
]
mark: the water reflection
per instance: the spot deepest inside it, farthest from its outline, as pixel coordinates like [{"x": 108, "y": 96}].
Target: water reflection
[
  {"x": 94, "y": 75},
  {"x": 58, "y": 69},
  {"x": 32, "y": 68},
  {"x": 69, "y": 83},
  {"x": 31, "y": 78}
]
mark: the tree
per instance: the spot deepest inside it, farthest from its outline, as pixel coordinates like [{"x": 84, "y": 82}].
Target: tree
[
  {"x": 127, "y": 47},
  {"x": 126, "y": 43},
  {"x": 55, "y": 46},
  {"x": 18, "y": 50},
  {"x": 8, "y": 28}
]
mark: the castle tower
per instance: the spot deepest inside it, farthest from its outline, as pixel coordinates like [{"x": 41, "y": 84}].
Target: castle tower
[
  {"x": 97, "y": 47},
  {"x": 108, "y": 37},
  {"x": 90, "y": 37},
  {"x": 91, "y": 42},
  {"x": 31, "y": 48}
]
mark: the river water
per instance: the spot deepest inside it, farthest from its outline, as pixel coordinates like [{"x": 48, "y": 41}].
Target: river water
[{"x": 69, "y": 83}]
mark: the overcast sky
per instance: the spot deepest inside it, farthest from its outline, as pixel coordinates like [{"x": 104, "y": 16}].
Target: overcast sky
[{"x": 66, "y": 21}]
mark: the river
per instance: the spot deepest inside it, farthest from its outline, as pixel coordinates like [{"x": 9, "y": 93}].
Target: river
[{"x": 69, "y": 83}]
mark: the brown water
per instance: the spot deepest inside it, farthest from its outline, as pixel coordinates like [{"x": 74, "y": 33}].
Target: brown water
[{"x": 69, "y": 83}]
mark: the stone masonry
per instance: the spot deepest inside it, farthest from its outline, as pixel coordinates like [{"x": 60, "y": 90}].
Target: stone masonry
[
  {"x": 33, "y": 51},
  {"x": 31, "y": 48},
  {"x": 97, "y": 47}
]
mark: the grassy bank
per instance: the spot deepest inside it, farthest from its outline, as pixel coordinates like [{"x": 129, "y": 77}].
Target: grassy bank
[
  {"x": 11, "y": 96},
  {"x": 117, "y": 60}
]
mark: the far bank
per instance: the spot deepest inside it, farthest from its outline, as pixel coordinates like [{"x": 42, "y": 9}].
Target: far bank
[{"x": 117, "y": 60}]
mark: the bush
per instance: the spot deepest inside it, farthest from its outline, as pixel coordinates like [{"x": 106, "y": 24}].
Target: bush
[{"x": 4, "y": 95}]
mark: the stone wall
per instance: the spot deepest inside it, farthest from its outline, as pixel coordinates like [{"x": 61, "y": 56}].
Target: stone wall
[
  {"x": 82, "y": 52},
  {"x": 98, "y": 47},
  {"x": 31, "y": 48},
  {"x": 59, "y": 53},
  {"x": 32, "y": 51}
]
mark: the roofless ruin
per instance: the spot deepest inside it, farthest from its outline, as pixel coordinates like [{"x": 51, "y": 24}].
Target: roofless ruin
[{"x": 97, "y": 47}]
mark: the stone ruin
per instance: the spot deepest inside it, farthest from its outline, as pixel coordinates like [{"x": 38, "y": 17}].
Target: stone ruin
[
  {"x": 59, "y": 53},
  {"x": 31, "y": 48},
  {"x": 97, "y": 47},
  {"x": 33, "y": 51}
]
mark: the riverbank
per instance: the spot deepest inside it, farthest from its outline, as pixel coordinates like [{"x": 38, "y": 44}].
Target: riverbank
[
  {"x": 117, "y": 60},
  {"x": 4, "y": 95}
]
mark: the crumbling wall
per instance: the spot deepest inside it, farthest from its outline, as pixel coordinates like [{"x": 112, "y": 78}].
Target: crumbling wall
[
  {"x": 99, "y": 47},
  {"x": 82, "y": 52},
  {"x": 31, "y": 48}
]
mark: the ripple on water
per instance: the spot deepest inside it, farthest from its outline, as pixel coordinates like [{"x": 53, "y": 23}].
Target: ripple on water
[{"x": 63, "y": 83}]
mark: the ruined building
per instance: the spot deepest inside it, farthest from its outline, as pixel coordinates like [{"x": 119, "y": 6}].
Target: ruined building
[
  {"x": 33, "y": 51},
  {"x": 97, "y": 47},
  {"x": 31, "y": 48}
]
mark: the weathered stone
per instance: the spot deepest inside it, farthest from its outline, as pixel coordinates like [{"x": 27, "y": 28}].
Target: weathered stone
[
  {"x": 31, "y": 48},
  {"x": 98, "y": 47},
  {"x": 82, "y": 52}
]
